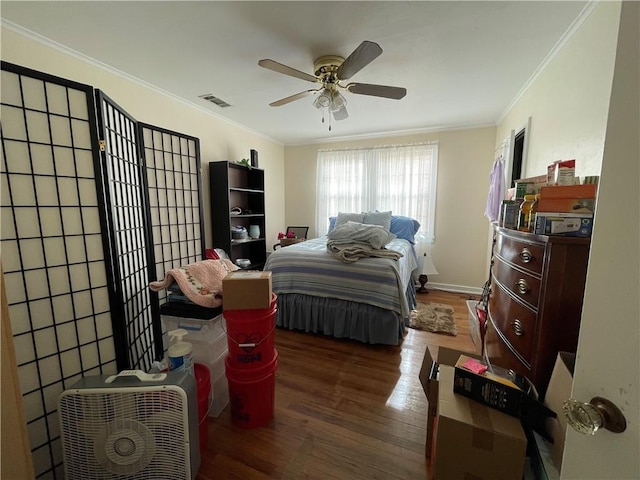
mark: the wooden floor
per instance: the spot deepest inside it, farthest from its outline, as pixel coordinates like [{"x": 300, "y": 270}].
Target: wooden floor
[{"x": 344, "y": 410}]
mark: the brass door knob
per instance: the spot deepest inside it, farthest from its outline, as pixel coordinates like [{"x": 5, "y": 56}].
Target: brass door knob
[{"x": 588, "y": 418}]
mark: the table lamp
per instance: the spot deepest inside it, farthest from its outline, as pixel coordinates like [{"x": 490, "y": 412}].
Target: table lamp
[{"x": 428, "y": 268}]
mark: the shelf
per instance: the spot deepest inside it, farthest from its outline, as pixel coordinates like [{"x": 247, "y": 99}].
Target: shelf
[
  {"x": 246, "y": 240},
  {"x": 232, "y": 185},
  {"x": 245, "y": 190},
  {"x": 253, "y": 266}
]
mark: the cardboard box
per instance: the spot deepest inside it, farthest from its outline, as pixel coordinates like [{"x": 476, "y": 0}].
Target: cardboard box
[
  {"x": 429, "y": 378},
  {"x": 567, "y": 205},
  {"x": 561, "y": 172},
  {"x": 569, "y": 191},
  {"x": 246, "y": 290},
  {"x": 568, "y": 198},
  {"x": 509, "y": 210},
  {"x": 473, "y": 441},
  {"x": 503, "y": 390},
  {"x": 497, "y": 388},
  {"x": 558, "y": 391},
  {"x": 522, "y": 189},
  {"x": 564, "y": 224}
]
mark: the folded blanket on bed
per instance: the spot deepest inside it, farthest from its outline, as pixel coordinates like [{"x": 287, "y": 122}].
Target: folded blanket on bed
[
  {"x": 201, "y": 282},
  {"x": 351, "y": 241},
  {"x": 353, "y": 253}
]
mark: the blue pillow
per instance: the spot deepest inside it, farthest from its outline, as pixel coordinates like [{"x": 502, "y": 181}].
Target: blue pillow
[
  {"x": 332, "y": 223},
  {"x": 404, "y": 227}
]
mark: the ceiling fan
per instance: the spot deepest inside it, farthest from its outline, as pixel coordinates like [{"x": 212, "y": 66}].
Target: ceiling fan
[{"x": 330, "y": 71}]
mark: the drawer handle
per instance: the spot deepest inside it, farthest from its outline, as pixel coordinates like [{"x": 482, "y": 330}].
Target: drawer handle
[
  {"x": 523, "y": 286},
  {"x": 517, "y": 327},
  {"x": 526, "y": 255}
]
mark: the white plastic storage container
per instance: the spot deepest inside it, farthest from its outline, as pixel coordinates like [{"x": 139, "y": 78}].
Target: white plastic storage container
[
  {"x": 209, "y": 341},
  {"x": 208, "y": 337}
]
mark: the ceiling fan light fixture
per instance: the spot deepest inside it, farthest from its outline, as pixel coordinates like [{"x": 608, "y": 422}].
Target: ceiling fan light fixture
[
  {"x": 330, "y": 71},
  {"x": 338, "y": 102},
  {"x": 323, "y": 100}
]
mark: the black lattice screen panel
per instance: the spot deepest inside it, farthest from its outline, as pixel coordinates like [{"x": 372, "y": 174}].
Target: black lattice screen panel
[
  {"x": 133, "y": 308},
  {"x": 172, "y": 163},
  {"x": 67, "y": 198},
  {"x": 52, "y": 248}
]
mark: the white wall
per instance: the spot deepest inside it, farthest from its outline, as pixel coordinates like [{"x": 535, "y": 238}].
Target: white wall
[
  {"x": 576, "y": 114},
  {"x": 464, "y": 163},
  {"x": 569, "y": 100},
  {"x": 608, "y": 357},
  {"x": 219, "y": 139}
]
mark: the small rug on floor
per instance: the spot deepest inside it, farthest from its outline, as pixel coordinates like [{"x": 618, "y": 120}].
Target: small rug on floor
[{"x": 433, "y": 317}]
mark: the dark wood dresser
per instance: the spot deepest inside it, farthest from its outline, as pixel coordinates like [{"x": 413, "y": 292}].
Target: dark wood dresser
[{"x": 535, "y": 305}]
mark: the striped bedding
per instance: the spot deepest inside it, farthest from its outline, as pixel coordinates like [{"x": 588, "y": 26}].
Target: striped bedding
[{"x": 308, "y": 268}]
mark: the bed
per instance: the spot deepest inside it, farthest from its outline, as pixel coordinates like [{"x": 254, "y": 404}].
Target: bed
[{"x": 368, "y": 300}]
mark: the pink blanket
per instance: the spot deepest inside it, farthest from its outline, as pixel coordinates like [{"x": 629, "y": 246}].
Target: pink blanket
[{"x": 201, "y": 282}]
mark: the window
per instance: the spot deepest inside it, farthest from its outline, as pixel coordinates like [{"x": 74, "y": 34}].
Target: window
[{"x": 400, "y": 178}]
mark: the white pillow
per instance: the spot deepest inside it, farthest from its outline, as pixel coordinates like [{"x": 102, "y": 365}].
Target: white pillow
[
  {"x": 378, "y": 218},
  {"x": 349, "y": 217}
]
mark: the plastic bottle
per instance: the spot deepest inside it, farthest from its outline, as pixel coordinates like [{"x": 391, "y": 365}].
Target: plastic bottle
[
  {"x": 180, "y": 352},
  {"x": 533, "y": 211},
  {"x": 525, "y": 212}
]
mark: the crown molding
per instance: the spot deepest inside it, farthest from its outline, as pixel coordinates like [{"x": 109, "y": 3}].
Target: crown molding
[
  {"x": 119, "y": 73},
  {"x": 573, "y": 28},
  {"x": 387, "y": 134}
]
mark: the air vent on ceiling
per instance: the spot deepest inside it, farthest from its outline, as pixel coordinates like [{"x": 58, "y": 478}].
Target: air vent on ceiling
[{"x": 213, "y": 99}]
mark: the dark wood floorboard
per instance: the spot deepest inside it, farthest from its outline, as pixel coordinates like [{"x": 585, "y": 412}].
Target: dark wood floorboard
[{"x": 344, "y": 410}]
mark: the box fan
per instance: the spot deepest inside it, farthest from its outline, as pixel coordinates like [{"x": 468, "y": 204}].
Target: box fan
[{"x": 132, "y": 425}]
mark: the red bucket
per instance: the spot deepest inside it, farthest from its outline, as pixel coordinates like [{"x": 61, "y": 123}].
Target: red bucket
[
  {"x": 203, "y": 387},
  {"x": 251, "y": 335},
  {"x": 252, "y": 393}
]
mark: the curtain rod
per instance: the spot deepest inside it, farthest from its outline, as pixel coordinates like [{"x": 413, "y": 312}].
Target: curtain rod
[{"x": 433, "y": 142}]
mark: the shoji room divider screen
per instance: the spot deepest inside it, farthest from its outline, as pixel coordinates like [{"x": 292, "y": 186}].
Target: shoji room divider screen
[
  {"x": 172, "y": 162},
  {"x": 85, "y": 226}
]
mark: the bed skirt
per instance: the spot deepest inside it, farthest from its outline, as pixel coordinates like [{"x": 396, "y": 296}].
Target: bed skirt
[{"x": 340, "y": 319}]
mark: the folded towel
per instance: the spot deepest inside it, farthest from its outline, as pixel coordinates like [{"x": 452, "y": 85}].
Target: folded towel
[{"x": 201, "y": 282}]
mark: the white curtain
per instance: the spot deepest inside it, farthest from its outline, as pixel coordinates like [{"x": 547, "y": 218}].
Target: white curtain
[{"x": 400, "y": 178}]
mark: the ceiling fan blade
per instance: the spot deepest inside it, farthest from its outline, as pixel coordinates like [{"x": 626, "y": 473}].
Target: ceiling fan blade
[
  {"x": 297, "y": 96},
  {"x": 359, "y": 58},
  {"x": 280, "y": 68},
  {"x": 341, "y": 113},
  {"x": 385, "y": 91}
]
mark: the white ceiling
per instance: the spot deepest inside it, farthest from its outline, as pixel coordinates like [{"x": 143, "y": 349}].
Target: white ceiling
[{"x": 462, "y": 63}]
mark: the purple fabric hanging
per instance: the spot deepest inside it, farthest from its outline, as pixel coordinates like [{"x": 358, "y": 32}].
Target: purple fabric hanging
[{"x": 496, "y": 190}]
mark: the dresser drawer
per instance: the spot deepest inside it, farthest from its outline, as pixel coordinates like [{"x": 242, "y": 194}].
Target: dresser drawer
[
  {"x": 521, "y": 284},
  {"x": 499, "y": 353},
  {"x": 516, "y": 322},
  {"x": 527, "y": 255}
]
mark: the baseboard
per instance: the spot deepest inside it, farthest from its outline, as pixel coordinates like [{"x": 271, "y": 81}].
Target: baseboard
[{"x": 453, "y": 288}]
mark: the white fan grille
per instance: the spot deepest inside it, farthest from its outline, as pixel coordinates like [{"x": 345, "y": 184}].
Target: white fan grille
[{"x": 139, "y": 433}]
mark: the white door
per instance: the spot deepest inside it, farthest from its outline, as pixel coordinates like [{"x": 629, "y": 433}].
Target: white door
[{"x": 608, "y": 357}]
